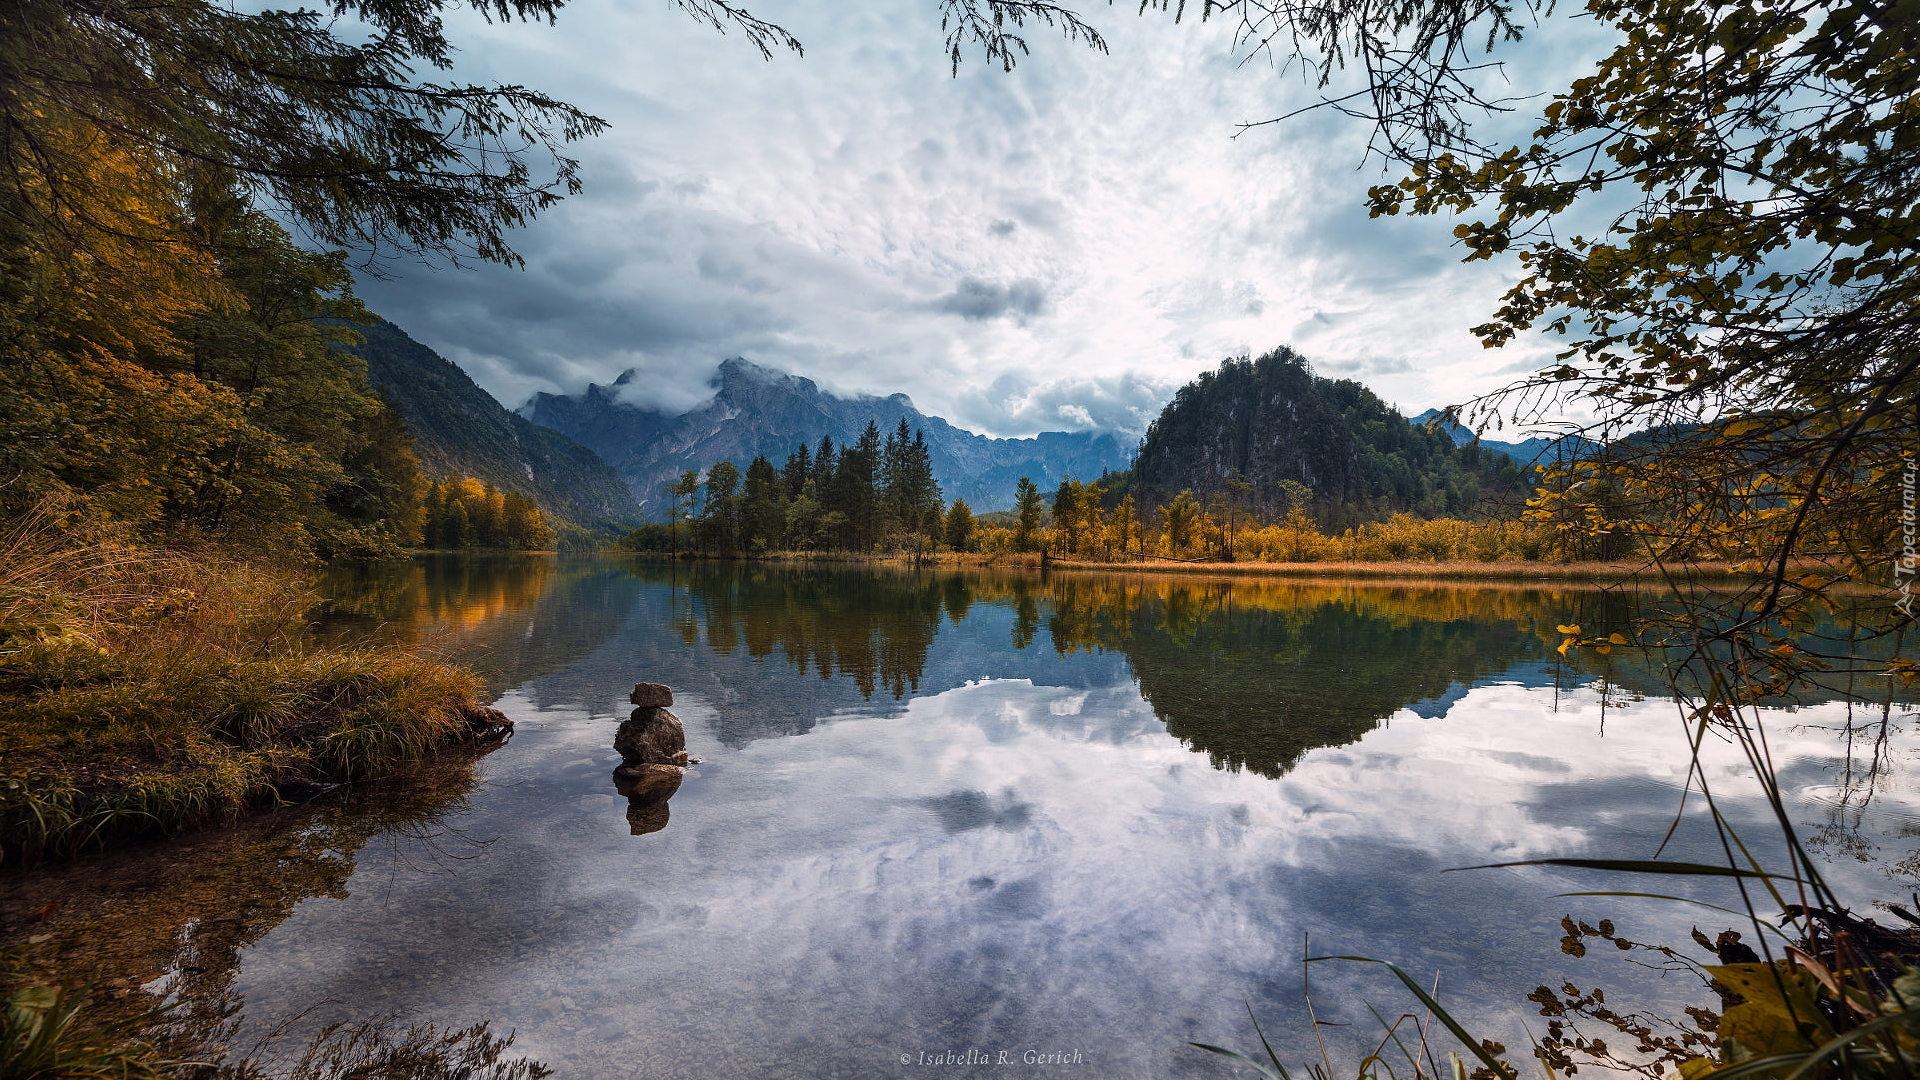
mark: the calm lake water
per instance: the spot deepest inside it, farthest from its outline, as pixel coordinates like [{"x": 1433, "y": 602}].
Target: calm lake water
[{"x": 1082, "y": 818}]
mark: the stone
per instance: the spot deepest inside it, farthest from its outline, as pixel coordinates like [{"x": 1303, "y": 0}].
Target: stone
[
  {"x": 651, "y": 735},
  {"x": 651, "y": 695},
  {"x": 486, "y": 723},
  {"x": 650, "y": 781}
]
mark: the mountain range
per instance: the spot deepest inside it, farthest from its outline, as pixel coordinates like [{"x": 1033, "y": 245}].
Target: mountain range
[{"x": 758, "y": 411}]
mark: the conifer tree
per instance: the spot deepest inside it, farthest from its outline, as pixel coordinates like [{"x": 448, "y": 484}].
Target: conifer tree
[
  {"x": 456, "y": 531},
  {"x": 720, "y": 518},
  {"x": 763, "y": 508},
  {"x": 1027, "y": 503},
  {"x": 798, "y": 470}
]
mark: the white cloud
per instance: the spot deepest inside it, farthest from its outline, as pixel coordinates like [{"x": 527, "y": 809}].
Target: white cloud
[{"x": 1086, "y": 225}]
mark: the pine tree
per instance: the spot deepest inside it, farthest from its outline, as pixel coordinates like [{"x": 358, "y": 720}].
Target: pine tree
[
  {"x": 921, "y": 492},
  {"x": 1027, "y": 503},
  {"x": 825, "y": 463},
  {"x": 720, "y": 519},
  {"x": 853, "y": 492},
  {"x": 798, "y": 470},
  {"x": 456, "y": 531},
  {"x": 763, "y": 508}
]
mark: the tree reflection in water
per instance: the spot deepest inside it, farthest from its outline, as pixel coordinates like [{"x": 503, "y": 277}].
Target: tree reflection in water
[
  {"x": 169, "y": 920},
  {"x": 1252, "y": 673}
]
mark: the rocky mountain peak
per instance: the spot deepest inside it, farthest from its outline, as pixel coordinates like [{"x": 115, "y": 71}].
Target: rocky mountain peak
[{"x": 758, "y": 410}]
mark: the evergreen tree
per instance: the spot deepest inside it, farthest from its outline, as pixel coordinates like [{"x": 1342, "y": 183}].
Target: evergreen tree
[
  {"x": 910, "y": 497},
  {"x": 1027, "y": 503},
  {"x": 763, "y": 508},
  {"x": 825, "y": 463},
  {"x": 853, "y": 494},
  {"x": 920, "y": 493},
  {"x": 455, "y": 531},
  {"x": 893, "y": 515},
  {"x": 720, "y": 518},
  {"x": 798, "y": 470}
]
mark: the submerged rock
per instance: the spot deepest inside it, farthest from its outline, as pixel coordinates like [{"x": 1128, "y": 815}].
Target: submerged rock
[
  {"x": 486, "y": 723},
  {"x": 648, "y": 781}
]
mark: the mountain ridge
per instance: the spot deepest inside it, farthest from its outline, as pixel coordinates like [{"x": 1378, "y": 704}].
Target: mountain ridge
[
  {"x": 458, "y": 427},
  {"x": 763, "y": 411}
]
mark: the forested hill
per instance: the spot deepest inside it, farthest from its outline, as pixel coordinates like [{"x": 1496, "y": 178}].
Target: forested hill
[
  {"x": 459, "y": 428},
  {"x": 1272, "y": 419},
  {"x": 760, "y": 412}
]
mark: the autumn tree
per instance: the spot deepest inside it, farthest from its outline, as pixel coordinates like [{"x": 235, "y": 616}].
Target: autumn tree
[
  {"x": 1718, "y": 223},
  {"x": 1180, "y": 522},
  {"x": 1738, "y": 302},
  {"x": 957, "y": 529}
]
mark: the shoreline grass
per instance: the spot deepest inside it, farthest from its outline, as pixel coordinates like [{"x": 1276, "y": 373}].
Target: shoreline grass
[
  {"x": 144, "y": 692},
  {"x": 1591, "y": 572}
]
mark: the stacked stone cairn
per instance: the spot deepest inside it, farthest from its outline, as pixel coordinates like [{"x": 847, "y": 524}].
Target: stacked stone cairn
[{"x": 653, "y": 757}]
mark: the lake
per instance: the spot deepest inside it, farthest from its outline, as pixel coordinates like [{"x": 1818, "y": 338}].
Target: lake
[{"x": 947, "y": 822}]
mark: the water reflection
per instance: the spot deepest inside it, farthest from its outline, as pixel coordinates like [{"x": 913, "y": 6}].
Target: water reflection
[
  {"x": 172, "y": 918},
  {"x": 1252, "y": 673},
  {"x": 952, "y": 810},
  {"x": 512, "y": 617}
]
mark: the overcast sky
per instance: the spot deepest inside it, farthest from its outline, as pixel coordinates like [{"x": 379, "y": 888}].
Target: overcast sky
[{"x": 1058, "y": 248}]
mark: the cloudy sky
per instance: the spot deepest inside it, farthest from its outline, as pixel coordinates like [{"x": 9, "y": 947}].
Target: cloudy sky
[{"x": 1057, "y": 248}]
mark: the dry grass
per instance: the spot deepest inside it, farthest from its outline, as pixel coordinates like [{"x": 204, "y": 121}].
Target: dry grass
[
  {"x": 1404, "y": 568},
  {"x": 146, "y": 691}
]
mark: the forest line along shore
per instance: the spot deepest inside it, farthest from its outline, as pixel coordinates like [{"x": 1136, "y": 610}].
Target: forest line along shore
[{"x": 1618, "y": 572}]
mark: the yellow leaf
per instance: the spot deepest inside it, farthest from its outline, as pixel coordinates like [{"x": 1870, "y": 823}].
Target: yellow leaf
[
  {"x": 1778, "y": 1016},
  {"x": 1568, "y": 629}
]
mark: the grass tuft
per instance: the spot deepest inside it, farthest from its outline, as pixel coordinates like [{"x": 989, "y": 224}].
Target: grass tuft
[{"x": 147, "y": 691}]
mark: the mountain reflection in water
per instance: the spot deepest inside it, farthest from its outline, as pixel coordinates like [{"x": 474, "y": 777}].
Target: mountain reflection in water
[{"x": 942, "y": 810}]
